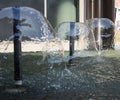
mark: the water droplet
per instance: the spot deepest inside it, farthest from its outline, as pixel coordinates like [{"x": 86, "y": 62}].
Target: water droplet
[{"x": 5, "y": 57}]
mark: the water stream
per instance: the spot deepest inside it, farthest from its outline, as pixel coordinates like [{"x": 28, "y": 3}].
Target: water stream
[{"x": 46, "y": 71}]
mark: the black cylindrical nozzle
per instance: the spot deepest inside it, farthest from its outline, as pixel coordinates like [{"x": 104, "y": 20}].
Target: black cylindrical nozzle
[
  {"x": 71, "y": 42},
  {"x": 17, "y": 47}
]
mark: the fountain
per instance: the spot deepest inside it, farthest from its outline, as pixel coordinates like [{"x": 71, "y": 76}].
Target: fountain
[
  {"x": 103, "y": 29},
  {"x": 15, "y": 13},
  {"x": 46, "y": 72}
]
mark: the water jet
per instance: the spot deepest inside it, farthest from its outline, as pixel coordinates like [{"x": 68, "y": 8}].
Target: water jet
[{"x": 89, "y": 76}]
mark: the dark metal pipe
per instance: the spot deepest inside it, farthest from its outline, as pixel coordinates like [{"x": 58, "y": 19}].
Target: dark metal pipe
[
  {"x": 71, "y": 44},
  {"x": 17, "y": 47}
]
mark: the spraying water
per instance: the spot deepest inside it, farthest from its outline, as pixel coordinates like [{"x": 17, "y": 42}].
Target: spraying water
[
  {"x": 33, "y": 25},
  {"x": 53, "y": 76},
  {"x": 102, "y": 31},
  {"x": 99, "y": 41},
  {"x": 80, "y": 33}
]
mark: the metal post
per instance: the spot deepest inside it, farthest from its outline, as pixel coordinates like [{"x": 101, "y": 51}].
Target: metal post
[
  {"x": 99, "y": 8},
  {"x": 71, "y": 46},
  {"x": 92, "y": 16},
  {"x": 45, "y": 8},
  {"x": 17, "y": 47}
]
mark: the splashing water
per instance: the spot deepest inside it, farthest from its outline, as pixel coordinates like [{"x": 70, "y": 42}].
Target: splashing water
[
  {"x": 80, "y": 34},
  {"x": 99, "y": 41},
  {"x": 32, "y": 22},
  {"x": 33, "y": 25},
  {"x": 53, "y": 50},
  {"x": 102, "y": 31},
  {"x": 90, "y": 74}
]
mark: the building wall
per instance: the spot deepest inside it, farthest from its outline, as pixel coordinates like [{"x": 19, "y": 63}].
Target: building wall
[
  {"x": 117, "y": 14},
  {"x": 83, "y": 9},
  {"x": 117, "y": 3},
  {"x": 59, "y": 11},
  {"x": 108, "y": 9},
  {"x": 105, "y": 9}
]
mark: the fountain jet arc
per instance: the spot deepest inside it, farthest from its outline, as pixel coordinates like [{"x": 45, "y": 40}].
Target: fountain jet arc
[{"x": 17, "y": 47}]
